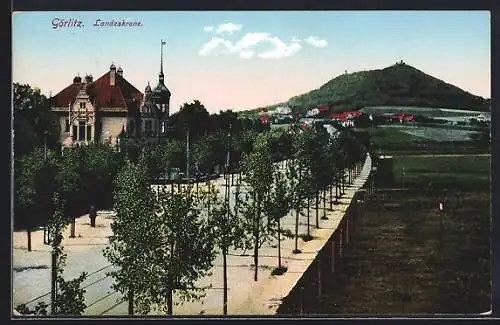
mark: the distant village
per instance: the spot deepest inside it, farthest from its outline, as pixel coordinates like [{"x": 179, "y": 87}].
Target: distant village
[{"x": 285, "y": 115}]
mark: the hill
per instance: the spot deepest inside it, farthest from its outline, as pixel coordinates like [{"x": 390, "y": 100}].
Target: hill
[{"x": 397, "y": 85}]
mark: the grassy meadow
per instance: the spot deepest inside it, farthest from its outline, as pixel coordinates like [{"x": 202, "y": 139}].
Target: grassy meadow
[{"x": 407, "y": 258}]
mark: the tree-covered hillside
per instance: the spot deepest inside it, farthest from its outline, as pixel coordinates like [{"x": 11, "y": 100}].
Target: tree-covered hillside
[{"x": 396, "y": 85}]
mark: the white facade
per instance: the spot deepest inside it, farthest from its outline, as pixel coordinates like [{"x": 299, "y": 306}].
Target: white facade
[{"x": 79, "y": 124}]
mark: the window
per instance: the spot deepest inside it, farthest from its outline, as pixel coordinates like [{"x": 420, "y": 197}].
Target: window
[
  {"x": 66, "y": 126},
  {"x": 75, "y": 130},
  {"x": 89, "y": 132},
  {"x": 82, "y": 105},
  {"x": 81, "y": 131}
]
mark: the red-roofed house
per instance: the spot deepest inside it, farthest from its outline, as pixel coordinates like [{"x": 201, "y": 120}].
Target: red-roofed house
[
  {"x": 265, "y": 119},
  {"x": 100, "y": 110}
]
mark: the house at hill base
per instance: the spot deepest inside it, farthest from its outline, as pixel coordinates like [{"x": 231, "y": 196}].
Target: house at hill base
[{"x": 110, "y": 109}]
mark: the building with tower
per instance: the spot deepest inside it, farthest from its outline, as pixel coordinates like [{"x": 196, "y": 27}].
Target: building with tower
[
  {"x": 155, "y": 108},
  {"x": 109, "y": 108}
]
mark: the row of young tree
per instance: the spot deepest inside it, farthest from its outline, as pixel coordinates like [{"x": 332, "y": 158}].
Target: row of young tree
[
  {"x": 53, "y": 188},
  {"x": 280, "y": 172},
  {"x": 164, "y": 241}
]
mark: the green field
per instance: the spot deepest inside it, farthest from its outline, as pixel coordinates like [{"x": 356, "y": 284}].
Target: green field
[
  {"x": 394, "y": 141},
  {"x": 402, "y": 261}
]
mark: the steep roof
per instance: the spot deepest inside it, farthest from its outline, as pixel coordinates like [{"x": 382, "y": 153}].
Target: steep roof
[
  {"x": 66, "y": 96},
  {"x": 122, "y": 95}
]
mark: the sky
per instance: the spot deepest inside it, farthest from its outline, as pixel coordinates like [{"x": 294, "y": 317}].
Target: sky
[{"x": 244, "y": 60}]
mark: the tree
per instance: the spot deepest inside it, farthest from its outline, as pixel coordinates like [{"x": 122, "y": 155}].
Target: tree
[
  {"x": 331, "y": 168},
  {"x": 34, "y": 124},
  {"x": 172, "y": 154},
  {"x": 194, "y": 117},
  {"x": 201, "y": 155},
  {"x": 67, "y": 297},
  {"x": 128, "y": 250},
  {"x": 258, "y": 174},
  {"x": 227, "y": 230},
  {"x": 69, "y": 184},
  {"x": 278, "y": 207},
  {"x": 99, "y": 172},
  {"x": 319, "y": 166},
  {"x": 305, "y": 157},
  {"x": 34, "y": 187},
  {"x": 184, "y": 248},
  {"x": 297, "y": 182}
]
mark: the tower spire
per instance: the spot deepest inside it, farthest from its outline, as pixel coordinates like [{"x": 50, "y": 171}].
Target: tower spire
[{"x": 161, "y": 62}]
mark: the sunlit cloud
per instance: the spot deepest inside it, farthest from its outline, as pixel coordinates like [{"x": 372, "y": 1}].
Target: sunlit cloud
[{"x": 316, "y": 41}]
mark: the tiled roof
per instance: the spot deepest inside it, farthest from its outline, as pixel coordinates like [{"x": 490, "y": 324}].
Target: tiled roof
[
  {"x": 122, "y": 95},
  {"x": 66, "y": 96}
]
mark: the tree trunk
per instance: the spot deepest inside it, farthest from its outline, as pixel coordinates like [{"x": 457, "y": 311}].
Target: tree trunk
[
  {"x": 170, "y": 299},
  {"x": 296, "y": 250},
  {"x": 28, "y": 232},
  {"x": 343, "y": 181},
  {"x": 256, "y": 257},
  {"x": 73, "y": 226},
  {"x": 317, "y": 209},
  {"x": 279, "y": 243},
  {"x": 337, "y": 189},
  {"x": 224, "y": 262},
  {"x": 53, "y": 284},
  {"x": 308, "y": 214},
  {"x": 331, "y": 197},
  {"x": 130, "y": 301},
  {"x": 324, "y": 206}
]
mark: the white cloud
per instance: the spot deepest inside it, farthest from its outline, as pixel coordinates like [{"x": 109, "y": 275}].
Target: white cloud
[
  {"x": 316, "y": 41},
  {"x": 208, "y": 28},
  {"x": 250, "y": 40},
  {"x": 246, "y": 54},
  {"x": 280, "y": 49},
  {"x": 246, "y": 46},
  {"x": 211, "y": 45},
  {"x": 229, "y": 28}
]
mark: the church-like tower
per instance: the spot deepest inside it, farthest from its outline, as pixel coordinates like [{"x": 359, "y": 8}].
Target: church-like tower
[{"x": 160, "y": 97}]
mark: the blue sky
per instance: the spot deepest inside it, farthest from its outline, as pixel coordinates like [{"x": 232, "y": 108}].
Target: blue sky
[{"x": 251, "y": 59}]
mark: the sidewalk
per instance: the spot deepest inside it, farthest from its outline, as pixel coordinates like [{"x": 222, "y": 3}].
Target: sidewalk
[{"x": 245, "y": 296}]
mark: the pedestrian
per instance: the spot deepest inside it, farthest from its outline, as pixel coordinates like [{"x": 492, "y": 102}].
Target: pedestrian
[{"x": 92, "y": 215}]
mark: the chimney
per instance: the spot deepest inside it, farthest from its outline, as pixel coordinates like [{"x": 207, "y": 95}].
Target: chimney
[
  {"x": 112, "y": 75},
  {"x": 120, "y": 71},
  {"x": 88, "y": 78}
]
